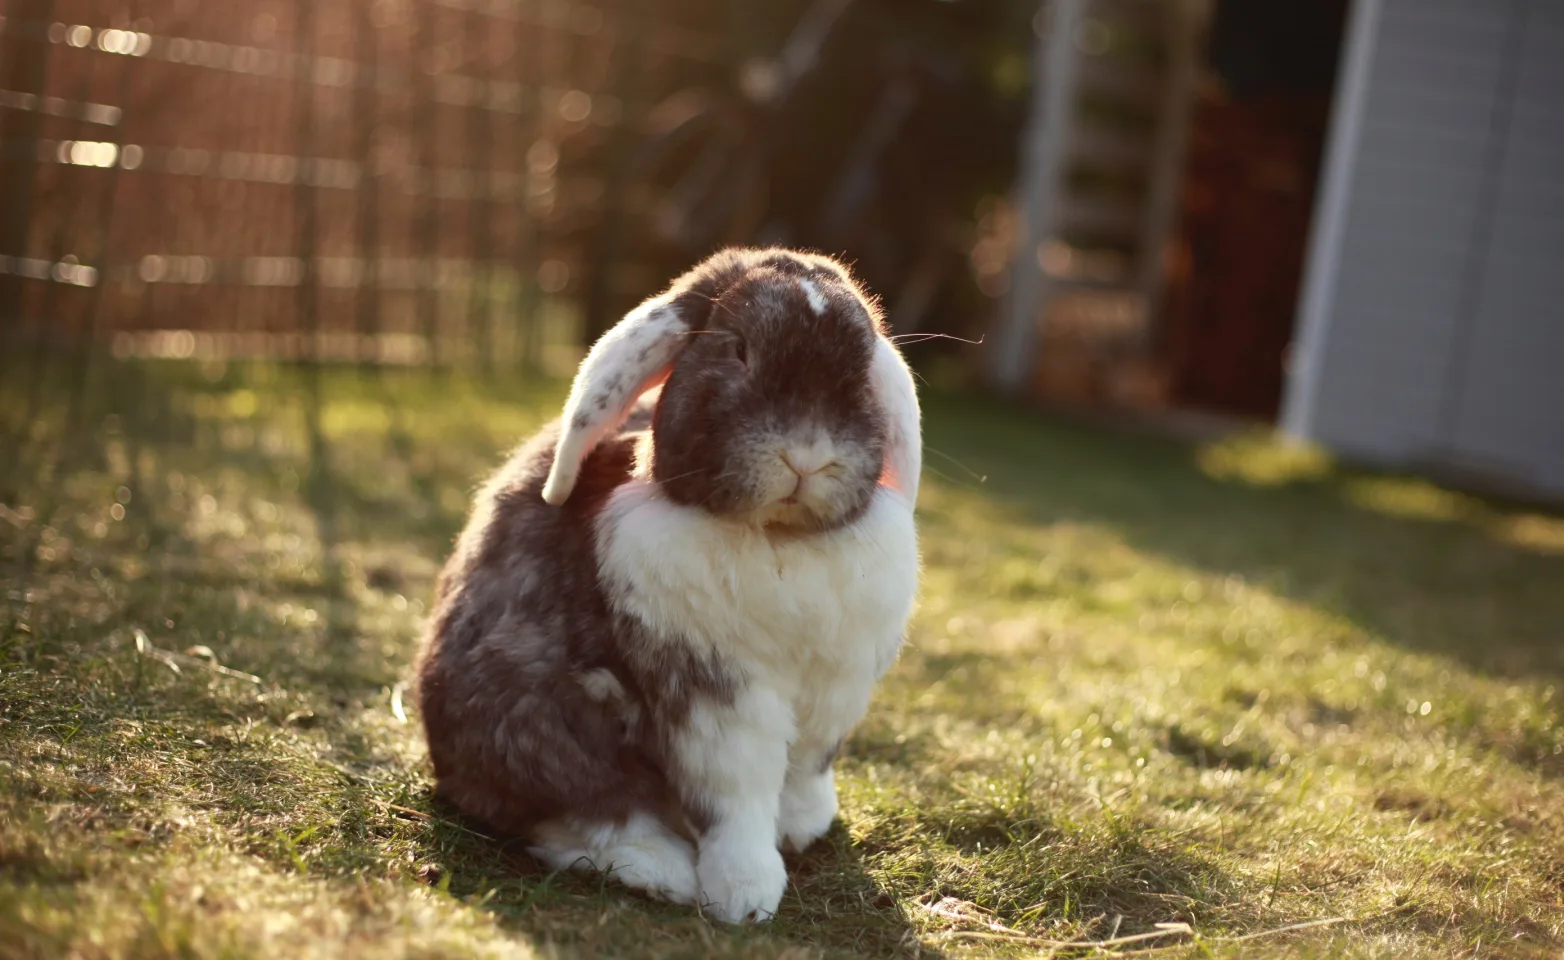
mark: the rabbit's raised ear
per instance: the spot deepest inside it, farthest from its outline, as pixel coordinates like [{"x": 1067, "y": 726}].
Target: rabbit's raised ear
[
  {"x": 891, "y": 380},
  {"x": 636, "y": 355}
]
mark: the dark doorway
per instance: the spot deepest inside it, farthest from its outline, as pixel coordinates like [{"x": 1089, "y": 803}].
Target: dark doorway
[{"x": 1258, "y": 135}]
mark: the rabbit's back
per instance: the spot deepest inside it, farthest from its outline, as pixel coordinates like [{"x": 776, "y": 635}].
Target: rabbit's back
[{"x": 529, "y": 706}]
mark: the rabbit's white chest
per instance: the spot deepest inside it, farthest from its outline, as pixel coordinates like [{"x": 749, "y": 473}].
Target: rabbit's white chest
[{"x": 816, "y": 618}]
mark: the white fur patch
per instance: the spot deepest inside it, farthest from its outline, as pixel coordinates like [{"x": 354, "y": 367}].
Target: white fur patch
[
  {"x": 642, "y": 853},
  {"x": 817, "y": 301},
  {"x": 808, "y": 807},
  {"x": 810, "y": 623},
  {"x": 601, "y": 685},
  {"x": 891, "y": 380},
  {"x": 736, "y": 754},
  {"x": 816, "y": 618}
]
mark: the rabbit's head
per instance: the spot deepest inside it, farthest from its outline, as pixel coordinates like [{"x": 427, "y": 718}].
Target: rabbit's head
[{"x": 782, "y": 402}]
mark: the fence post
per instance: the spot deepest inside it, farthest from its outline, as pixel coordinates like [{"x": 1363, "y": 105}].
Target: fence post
[
  {"x": 304, "y": 185},
  {"x": 526, "y": 313},
  {"x": 24, "y": 66},
  {"x": 1055, "y": 69},
  {"x": 607, "y": 243},
  {"x": 427, "y": 220},
  {"x": 1186, "y": 25},
  {"x": 366, "y": 102},
  {"x": 480, "y": 199}
]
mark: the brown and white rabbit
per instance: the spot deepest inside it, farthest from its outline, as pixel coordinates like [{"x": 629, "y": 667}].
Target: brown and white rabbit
[{"x": 665, "y": 615}]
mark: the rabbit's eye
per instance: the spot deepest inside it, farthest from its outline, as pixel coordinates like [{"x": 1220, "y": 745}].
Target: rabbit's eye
[{"x": 741, "y": 352}]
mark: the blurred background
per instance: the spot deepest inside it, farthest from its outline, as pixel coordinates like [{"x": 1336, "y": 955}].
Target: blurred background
[
  {"x": 1340, "y": 218},
  {"x": 282, "y": 280}
]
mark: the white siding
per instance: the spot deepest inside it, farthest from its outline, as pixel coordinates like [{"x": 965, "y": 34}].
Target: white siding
[
  {"x": 1433, "y": 319},
  {"x": 1508, "y": 398}
]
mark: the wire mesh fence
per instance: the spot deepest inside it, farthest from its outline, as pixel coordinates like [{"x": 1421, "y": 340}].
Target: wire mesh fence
[
  {"x": 458, "y": 180},
  {"x": 391, "y": 180}
]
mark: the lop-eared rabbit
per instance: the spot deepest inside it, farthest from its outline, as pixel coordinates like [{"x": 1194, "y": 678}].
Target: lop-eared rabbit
[{"x": 672, "y": 604}]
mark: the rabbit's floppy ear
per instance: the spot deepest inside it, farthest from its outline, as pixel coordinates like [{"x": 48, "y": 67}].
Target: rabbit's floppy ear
[
  {"x": 891, "y": 381},
  {"x": 636, "y": 355}
]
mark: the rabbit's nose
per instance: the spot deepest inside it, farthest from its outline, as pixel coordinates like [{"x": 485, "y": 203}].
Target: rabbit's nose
[{"x": 806, "y": 462}]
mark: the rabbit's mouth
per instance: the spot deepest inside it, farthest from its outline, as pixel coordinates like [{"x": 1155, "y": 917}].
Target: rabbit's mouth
[{"x": 802, "y": 511}]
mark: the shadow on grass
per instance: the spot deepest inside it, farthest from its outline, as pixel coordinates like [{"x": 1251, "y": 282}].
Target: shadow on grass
[
  {"x": 832, "y": 903},
  {"x": 1418, "y": 566}
]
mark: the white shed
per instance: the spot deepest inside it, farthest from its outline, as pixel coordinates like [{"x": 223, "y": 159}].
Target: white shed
[{"x": 1430, "y": 329}]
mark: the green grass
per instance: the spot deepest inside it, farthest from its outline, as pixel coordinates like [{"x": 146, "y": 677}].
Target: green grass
[{"x": 1235, "y": 687}]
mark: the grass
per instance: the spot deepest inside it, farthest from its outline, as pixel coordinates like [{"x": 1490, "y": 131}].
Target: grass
[{"x": 1279, "y": 707}]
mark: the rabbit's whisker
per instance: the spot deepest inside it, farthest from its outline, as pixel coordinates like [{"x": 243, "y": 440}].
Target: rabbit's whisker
[
  {"x": 716, "y": 490},
  {"x": 681, "y": 476},
  {"x": 980, "y": 478},
  {"x": 921, "y": 337}
]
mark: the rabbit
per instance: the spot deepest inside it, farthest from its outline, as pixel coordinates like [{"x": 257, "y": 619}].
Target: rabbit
[{"x": 672, "y": 604}]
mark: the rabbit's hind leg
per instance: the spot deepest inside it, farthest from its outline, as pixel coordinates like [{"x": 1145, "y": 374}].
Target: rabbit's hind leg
[{"x": 641, "y": 852}]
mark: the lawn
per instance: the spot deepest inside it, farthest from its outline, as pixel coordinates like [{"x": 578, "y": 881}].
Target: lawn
[{"x": 1228, "y": 699}]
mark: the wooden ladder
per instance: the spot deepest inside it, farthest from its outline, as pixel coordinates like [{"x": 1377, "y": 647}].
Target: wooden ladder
[{"x": 1098, "y": 194}]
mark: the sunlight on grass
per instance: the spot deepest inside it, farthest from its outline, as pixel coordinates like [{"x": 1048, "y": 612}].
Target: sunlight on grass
[
  {"x": 1262, "y": 459},
  {"x": 1413, "y": 499},
  {"x": 1154, "y": 697},
  {"x": 1534, "y": 531}
]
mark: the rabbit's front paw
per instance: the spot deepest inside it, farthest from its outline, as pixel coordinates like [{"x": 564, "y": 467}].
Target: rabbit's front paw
[
  {"x": 741, "y": 880},
  {"x": 808, "y": 807}
]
